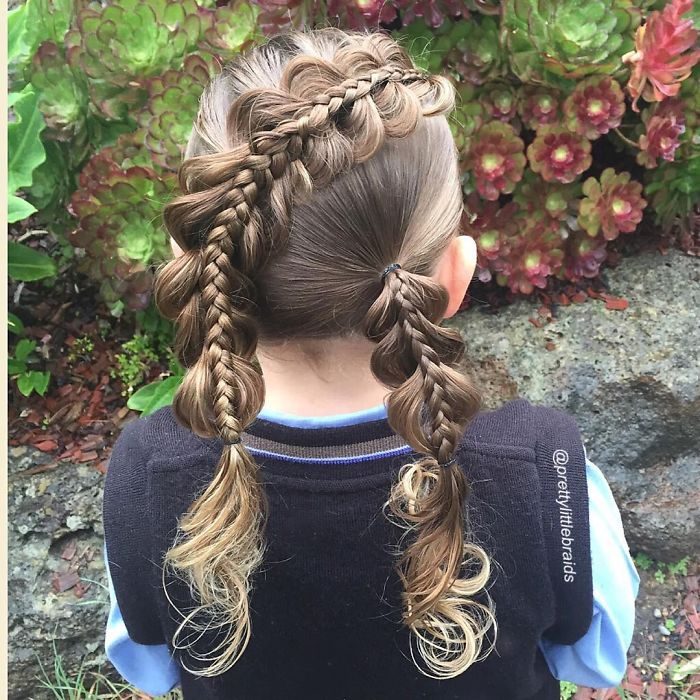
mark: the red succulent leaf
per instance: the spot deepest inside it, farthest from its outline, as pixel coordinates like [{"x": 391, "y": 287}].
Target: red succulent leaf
[
  {"x": 663, "y": 129},
  {"x": 665, "y": 53}
]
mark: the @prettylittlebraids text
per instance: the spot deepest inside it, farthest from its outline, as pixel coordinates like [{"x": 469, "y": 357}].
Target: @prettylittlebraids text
[{"x": 560, "y": 459}]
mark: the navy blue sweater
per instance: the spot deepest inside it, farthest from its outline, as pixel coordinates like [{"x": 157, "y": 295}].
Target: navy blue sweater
[{"x": 326, "y": 604}]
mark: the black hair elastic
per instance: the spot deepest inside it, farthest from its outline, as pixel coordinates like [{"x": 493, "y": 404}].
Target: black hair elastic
[
  {"x": 235, "y": 441},
  {"x": 390, "y": 268}
]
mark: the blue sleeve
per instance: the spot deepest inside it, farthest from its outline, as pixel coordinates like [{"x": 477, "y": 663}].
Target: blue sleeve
[
  {"x": 150, "y": 668},
  {"x": 599, "y": 658}
]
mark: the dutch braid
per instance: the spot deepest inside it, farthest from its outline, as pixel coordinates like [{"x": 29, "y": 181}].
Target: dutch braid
[
  {"x": 322, "y": 116},
  {"x": 430, "y": 406}
]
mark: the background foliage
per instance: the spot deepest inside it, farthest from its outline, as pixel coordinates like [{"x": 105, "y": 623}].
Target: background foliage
[{"x": 577, "y": 120}]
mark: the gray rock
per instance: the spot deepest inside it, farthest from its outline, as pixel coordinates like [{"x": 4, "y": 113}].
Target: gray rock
[
  {"x": 629, "y": 377},
  {"x": 51, "y": 514}
]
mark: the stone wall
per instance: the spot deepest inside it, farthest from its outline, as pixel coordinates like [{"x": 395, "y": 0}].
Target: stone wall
[
  {"x": 631, "y": 378},
  {"x": 57, "y": 595}
]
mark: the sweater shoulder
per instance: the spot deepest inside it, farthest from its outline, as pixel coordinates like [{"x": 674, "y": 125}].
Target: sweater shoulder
[
  {"x": 143, "y": 442},
  {"x": 519, "y": 423},
  {"x": 160, "y": 436}
]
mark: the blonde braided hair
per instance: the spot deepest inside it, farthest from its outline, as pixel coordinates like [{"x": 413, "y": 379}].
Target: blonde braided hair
[{"x": 306, "y": 112}]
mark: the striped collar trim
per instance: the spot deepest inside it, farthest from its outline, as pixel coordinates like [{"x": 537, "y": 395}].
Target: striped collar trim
[{"x": 344, "y": 435}]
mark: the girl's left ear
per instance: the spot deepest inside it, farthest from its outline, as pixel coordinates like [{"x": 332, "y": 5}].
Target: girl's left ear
[{"x": 455, "y": 271}]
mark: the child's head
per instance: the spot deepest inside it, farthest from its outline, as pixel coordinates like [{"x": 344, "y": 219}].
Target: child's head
[{"x": 316, "y": 161}]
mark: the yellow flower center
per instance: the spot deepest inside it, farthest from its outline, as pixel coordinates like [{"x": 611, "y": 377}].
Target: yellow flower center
[
  {"x": 561, "y": 154},
  {"x": 491, "y": 162},
  {"x": 595, "y": 107}
]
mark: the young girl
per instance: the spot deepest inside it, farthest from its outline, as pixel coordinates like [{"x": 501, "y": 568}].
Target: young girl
[{"x": 326, "y": 511}]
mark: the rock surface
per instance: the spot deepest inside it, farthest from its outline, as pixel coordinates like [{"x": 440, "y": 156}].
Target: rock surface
[
  {"x": 631, "y": 378},
  {"x": 57, "y": 595}
]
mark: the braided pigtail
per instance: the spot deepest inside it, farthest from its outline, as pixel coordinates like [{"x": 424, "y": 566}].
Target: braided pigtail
[
  {"x": 233, "y": 217},
  {"x": 430, "y": 406}
]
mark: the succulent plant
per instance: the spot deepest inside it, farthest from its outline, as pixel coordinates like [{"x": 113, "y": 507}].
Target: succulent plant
[
  {"x": 118, "y": 227},
  {"x": 467, "y": 117},
  {"x": 584, "y": 256},
  {"x": 432, "y": 12},
  {"x": 538, "y": 106},
  {"x": 499, "y": 101},
  {"x": 427, "y": 47},
  {"x": 496, "y": 159},
  {"x": 612, "y": 205},
  {"x": 276, "y": 15},
  {"x": 558, "y": 155},
  {"x": 551, "y": 201},
  {"x": 126, "y": 42},
  {"x": 690, "y": 97},
  {"x": 229, "y": 29},
  {"x": 29, "y": 25},
  {"x": 172, "y": 104},
  {"x": 475, "y": 54},
  {"x": 557, "y": 41},
  {"x": 517, "y": 251},
  {"x": 360, "y": 14},
  {"x": 63, "y": 96},
  {"x": 535, "y": 252},
  {"x": 537, "y": 263},
  {"x": 664, "y": 55},
  {"x": 485, "y": 7},
  {"x": 490, "y": 225},
  {"x": 595, "y": 106},
  {"x": 664, "y": 125},
  {"x": 673, "y": 193}
]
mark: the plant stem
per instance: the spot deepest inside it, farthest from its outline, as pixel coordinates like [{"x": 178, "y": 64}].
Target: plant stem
[{"x": 629, "y": 142}]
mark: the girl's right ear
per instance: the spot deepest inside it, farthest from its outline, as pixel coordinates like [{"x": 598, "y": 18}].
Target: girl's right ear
[{"x": 456, "y": 269}]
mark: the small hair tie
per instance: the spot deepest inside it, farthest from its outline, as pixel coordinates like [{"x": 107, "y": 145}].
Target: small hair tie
[
  {"x": 390, "y": 268},
  {"x": 235, "y": 441}
]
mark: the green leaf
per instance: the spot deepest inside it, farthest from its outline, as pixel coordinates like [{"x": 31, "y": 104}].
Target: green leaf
[
  {"x": 33, "y": 381},
  {"x": 18, "y": 209},
  {"x": 24, "y": 348},
  {"x": 14, "y": 324},
  {"x": 52, "y": 183},
  {"x": 26, "y": 264},
  {"x": 14, "y": 366},
  {"x": 155, "y": 395},
  {"x": 25, "y": 150},
  {"x": 17, "y": 45}
]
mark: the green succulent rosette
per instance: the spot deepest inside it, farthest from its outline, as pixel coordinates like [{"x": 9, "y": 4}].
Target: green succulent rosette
[
  {"x": 63, "y": 93},
  {"x": 173, "y": 99},
  {"x": 473, "y": 50},
  {"x": 672, "y": 189},
  {"x": 121, "y": 45},
  {"x": 556, "y": 42}
]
